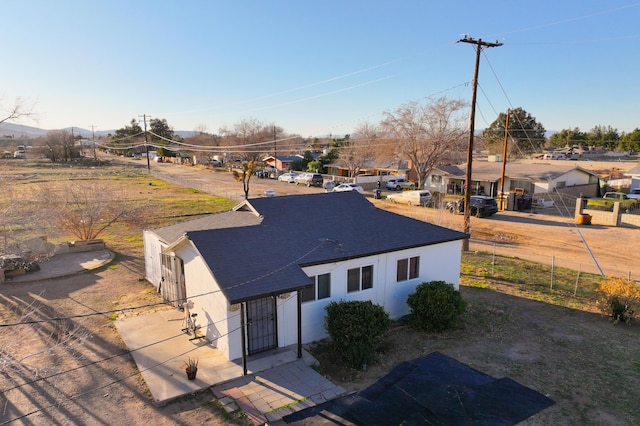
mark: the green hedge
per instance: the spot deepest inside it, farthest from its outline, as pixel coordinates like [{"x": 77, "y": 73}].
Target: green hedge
[
  {"x": 435, "y": 306},
  {"x": 355, "y": 329}
]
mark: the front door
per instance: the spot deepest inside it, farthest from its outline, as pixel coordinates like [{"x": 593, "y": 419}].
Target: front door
[{"x": 261, "y": 325}]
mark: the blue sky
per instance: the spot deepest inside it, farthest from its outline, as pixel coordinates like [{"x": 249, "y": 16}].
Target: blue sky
[{"x": 316, "y": 68}]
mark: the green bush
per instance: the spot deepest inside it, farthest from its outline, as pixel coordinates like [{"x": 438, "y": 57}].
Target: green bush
[
  {"x": 619, "y": 299},
  {"x": 435, "y": 306},
  {"x": 356, "y": 328}
]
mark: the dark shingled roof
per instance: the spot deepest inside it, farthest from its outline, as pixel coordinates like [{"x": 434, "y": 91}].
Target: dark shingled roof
[
  {"x": 263, "y": 259},
  {"x": 228, "y": 219}
]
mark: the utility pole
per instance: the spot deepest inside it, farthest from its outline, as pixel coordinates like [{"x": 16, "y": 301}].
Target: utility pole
[
  {"x": 93, "y": 140},
  {"x": 146, "y": 142},
  {"x": 467, "y": 183},
  {"x": 504, "y": 158}
]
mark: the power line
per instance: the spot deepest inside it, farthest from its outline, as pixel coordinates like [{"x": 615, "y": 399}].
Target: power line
[{"x": 166, "y": 302}]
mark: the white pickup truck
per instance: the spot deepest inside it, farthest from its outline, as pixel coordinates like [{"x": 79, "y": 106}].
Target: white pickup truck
[{"x": 634, "y": 193}]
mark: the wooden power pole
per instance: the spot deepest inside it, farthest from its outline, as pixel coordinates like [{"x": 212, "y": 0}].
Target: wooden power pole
[
  {"x": 504, "y": 158},
  {"x": 467, "y": 183}
]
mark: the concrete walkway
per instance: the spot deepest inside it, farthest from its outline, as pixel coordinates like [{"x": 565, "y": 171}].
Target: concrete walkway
[{"x": 277, "y": 382}]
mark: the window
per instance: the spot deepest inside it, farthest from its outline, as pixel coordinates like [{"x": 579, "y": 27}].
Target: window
[
  {"x": 360, "y": 278},
  {"x": 320, "y": 289},
  {"x": 408, "y": 269},
  {"x": 436, "y": 179}
]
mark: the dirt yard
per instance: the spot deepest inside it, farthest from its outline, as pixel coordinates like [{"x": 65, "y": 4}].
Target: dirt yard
[{"x": 577, "y": 358}]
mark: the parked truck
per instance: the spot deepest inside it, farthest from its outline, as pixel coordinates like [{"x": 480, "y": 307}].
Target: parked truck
[{"x": 610, "y": 198}]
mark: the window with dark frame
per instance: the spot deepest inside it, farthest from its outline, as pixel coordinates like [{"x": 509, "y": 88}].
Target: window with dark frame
[
  {"x": 320, "y": 289},
  {"x": 414, "y": 267},
  {"x": 367, "y": 277},
  {"x": 401, "y": 272},
  {"x": 353, "y": 280},
  {"x": 324, "y": 286},
  {"x": 359, "y": 278},
  {"x": 408, "y": 269}
]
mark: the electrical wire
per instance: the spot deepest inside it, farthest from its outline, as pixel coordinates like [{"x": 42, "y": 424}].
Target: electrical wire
[
  {"x": 166, "y": 302},
  {"x": 113, "y": 382}
]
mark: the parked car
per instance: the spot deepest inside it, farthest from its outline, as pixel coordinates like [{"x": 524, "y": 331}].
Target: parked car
[
  {"x": 345, "y": 187},
  {"x": 309, "y": 179},
  {"x": 481, "y": 206},
  {"x": 398, "y": 184},
  {"x": 413, "y": 198},
  {"x": 287, "y": 177}
]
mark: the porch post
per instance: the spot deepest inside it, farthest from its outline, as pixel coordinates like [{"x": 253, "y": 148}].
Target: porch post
[
  {"x": 242, "y": 338},
  {"x": 299, "y": 293}
]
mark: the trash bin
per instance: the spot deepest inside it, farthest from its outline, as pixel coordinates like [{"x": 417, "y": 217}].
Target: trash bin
[
  {"x": 377, "y": 194},
  {"x": 584, "y": 219}
]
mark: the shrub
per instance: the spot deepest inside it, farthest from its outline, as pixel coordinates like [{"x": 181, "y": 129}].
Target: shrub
[
  {"x": 435, "y": 306},
  {"x": 618, "y": 299},
  {"x": 356, "y": 328}
]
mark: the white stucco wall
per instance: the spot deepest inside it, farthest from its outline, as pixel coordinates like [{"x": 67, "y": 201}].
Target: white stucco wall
[
  {"x": 221, "y": 322},
  {"x": 439, "y": 262}
]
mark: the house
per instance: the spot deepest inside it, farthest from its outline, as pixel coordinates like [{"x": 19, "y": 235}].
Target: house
[
  {"x": 283, "y": 162},
  {"x": 634, "y": 176},
  {"x": 260, "y": 276},
  {"x": 534, "y": 177}
]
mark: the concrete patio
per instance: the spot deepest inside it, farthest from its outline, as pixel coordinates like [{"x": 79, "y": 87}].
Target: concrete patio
[{"x": 277, "y": 382}]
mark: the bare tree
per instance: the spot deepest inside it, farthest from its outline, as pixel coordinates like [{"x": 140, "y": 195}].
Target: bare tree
[
  {"x": 87, "y": 209},
  {"x": 425, "y": 133},
  {"x": 359, "y": 150},
  {"x": 18, "y": 110},
  {"x": 252, "y": 138},
  {"x": 59, "y": 145}
]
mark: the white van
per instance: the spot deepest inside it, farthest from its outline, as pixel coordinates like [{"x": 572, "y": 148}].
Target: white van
[
  {"x": 413, "y": 198},
  {"x": 554, "y": 156}
]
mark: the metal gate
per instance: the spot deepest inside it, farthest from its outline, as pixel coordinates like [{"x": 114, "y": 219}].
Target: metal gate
[{"x": 261, "y": 325}]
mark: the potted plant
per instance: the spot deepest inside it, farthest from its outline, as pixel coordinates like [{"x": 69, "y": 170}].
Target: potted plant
[{"x": 191, "y": 367}]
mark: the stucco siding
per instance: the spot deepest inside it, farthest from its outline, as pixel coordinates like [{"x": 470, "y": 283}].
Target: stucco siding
[
  {"x": 219, "y": 324},
  {"x": 438, "y": 262}
]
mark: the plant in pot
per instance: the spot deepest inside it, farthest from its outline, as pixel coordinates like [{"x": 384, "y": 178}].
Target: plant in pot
[{"x": 191, "y": 367}]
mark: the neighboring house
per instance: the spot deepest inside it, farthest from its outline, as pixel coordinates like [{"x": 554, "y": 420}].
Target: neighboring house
[
  {"x": 534, "y": 178},
  {"x": 378, "y": 167},
  {"x": 260, "y": 276},
  {"x": 634, "y": 175},
  {"x": 283, "y": 162}
]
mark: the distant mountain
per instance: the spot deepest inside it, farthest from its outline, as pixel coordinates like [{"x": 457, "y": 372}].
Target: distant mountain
[{"x": 19, "y": 131}]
